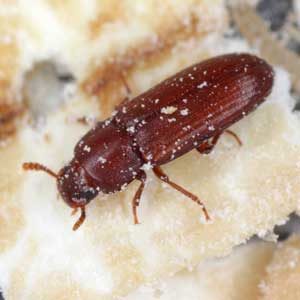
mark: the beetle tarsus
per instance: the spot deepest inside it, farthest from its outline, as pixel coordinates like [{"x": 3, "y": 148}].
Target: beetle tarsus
[
  {"x": 207, "y": 146},
  {"x": 235, "y": 136},
  {"x": 161, "y": 175},
  {"x": 80, "y": 220},
  {"x": 137, "y": 197}
]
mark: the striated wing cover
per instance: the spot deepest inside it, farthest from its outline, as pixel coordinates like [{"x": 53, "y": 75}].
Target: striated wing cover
[{"x": 195, "y": 104}]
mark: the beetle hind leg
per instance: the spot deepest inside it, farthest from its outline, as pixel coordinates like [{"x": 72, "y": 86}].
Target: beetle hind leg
[
  {"x": 137, "y": 197},
  {"x": 235, "y": 136},
  {"x": 162, "y": 176},
  {"x": 207, "y": 146}
]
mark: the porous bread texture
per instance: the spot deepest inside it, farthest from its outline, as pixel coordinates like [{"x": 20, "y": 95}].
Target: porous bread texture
[
  {"x": 247, "y": 190},
  {"x": 85, "y": 37},
  {"x": 233, "y": 277},
  {"x": 283, "y": 272}
]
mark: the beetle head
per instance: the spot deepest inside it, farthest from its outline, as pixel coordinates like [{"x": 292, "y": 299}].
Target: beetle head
[
  {"x": 75, "y": 186},
  {"x": 73, "y": 183}
]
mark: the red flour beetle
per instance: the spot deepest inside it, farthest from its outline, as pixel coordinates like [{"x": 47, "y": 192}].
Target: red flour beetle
[{"x": 189, "y": 110}]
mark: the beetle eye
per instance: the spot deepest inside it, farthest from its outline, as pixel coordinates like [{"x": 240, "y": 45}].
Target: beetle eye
[
  {"x": 88, "y": 194},
  {"x": 81, "y": 198}
]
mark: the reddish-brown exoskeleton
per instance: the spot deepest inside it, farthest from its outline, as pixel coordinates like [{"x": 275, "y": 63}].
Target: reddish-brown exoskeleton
[{"x": 189, "y": 110}]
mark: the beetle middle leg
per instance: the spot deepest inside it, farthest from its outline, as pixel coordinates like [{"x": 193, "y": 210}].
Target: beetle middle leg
[
  {"x": 235, "y": 136},
  {"x": 207, "y": 146},
  {"x": 137, "y": 197},
  {"x": 162, "y": 176}
]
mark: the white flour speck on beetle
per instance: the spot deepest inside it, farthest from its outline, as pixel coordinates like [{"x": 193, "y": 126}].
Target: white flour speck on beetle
[
  {"x": 202, "y": 85},
  {"x": 171, "y": 120},
  {"x": 168, "y": 110},
  {"x": 130, "y": 129},
  {"x": 184, "y": 112},
  {"x": 106, "y": 123},
  {"x": 147, "y": 166},
  {"x": 102, "y": 160},
  {"x": 87, "y": 148},
  {"x": 149, "y": 156}
]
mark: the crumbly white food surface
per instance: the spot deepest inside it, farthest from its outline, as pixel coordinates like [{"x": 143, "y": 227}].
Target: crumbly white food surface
[
  {"x": 247, "y": 190},
  {"x": 283, "y": 272},
  {"x": 236, "y": 276}
]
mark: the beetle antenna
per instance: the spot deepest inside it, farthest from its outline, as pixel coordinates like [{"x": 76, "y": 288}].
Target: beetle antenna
[{"x": 38, "y": 167}]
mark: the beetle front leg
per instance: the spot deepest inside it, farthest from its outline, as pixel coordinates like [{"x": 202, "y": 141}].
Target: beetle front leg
[
  {"x": 162, "y": 176},
  {"x": 137, "y": 197}
]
